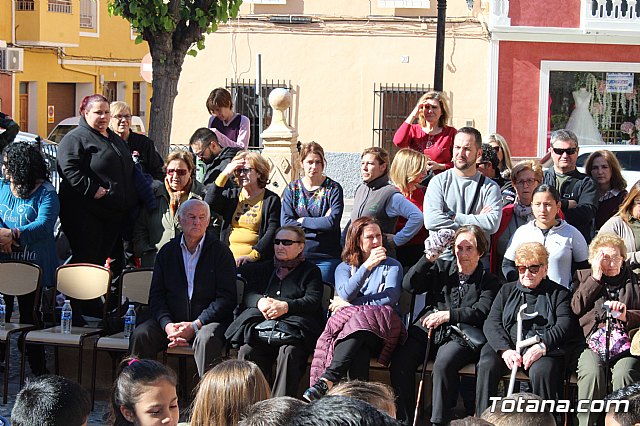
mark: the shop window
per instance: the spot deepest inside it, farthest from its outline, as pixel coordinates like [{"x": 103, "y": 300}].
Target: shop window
[
  {"x": 607, "y": 100},
  {"x": 391, "y": 106},
  {"x": 245, "y": 102}
]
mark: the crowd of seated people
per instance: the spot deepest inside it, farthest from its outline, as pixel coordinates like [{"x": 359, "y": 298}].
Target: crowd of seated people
[{"x": 443, "y": 225}]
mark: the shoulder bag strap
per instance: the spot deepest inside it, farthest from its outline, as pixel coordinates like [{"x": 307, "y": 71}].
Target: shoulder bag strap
[{"x": 476, "y": 195}]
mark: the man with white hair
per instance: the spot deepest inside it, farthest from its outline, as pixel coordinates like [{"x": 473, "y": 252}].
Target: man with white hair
[{"x": 193, "y": 292}]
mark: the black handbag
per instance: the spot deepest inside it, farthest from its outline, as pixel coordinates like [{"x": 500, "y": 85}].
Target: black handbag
[
  {"x": 472, "y": 336},
  {"x": 277, "y": 332}
]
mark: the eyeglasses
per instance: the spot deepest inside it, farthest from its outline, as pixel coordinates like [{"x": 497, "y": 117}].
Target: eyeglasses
[
  {"x": 532, "y": 268},
  {"x": 122, "y": 117},
  {"x": 200, "y": 154},
  {"x": 526, "y": 182},
  {"x": 568, "y": 151},
  {"x": 179, "y": 172},
  {"x": 612, "y": 259},
  {"x": 278, "y": 241},
  {"x": 244, "y": 171}
]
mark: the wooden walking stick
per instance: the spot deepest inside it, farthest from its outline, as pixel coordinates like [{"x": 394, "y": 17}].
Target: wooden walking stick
[{"x": 424, "y": 369}]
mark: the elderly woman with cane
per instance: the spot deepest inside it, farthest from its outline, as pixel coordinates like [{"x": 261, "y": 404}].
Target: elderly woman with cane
[
  {"x": 458, "y": 298},
  {"x": 531, "y": 308}
]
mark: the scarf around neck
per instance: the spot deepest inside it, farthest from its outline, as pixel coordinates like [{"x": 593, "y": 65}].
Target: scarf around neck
[
  {"x": 284, "y": 267},
  {"x": 177, "y": 197}
]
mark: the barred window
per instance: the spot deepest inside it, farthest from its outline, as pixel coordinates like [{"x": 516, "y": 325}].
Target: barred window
[
  {"x": 25, "y": 5},
  {"x": 88, "y": 14},
  {"x": 60, "y": 6}
]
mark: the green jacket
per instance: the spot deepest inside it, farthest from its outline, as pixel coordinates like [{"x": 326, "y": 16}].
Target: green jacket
[{"x": 153, "y": 229}]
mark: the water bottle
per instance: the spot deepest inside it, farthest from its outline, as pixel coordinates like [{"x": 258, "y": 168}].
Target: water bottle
[
  {"x": 65, "y": 318},
  {"x": 3, "y": 310},
  {"x": 129, "y": 321}
]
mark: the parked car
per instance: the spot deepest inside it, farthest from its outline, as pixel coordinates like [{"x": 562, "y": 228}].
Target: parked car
[{"x": 66, "y": 125}]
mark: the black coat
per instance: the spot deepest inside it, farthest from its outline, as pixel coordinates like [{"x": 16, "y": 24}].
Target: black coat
[
  {"x": 555, "y": 323},
  {"x": 440, "y": 279},
  {"x": 150, "y": 159},
  {"x": 302, "y": 290},
  {"x": 218, "y": 164},
  {"x": 88, "y": 160},
  {"x": 214, "y": 289},
  {"x": 224, "y": 200}
]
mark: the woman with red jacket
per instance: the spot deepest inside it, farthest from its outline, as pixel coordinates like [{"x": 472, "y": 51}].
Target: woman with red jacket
[{"x": 431, "y": 135}]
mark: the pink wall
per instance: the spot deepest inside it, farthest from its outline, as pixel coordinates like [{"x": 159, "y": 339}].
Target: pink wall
[
  {"x": 519, "y": 83},
  {"x": 6, "y": 93},
  {"x": 545, "y": 13}
]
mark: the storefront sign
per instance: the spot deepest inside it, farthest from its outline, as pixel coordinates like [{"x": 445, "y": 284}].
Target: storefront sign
[{"x": 620, "y": 82}]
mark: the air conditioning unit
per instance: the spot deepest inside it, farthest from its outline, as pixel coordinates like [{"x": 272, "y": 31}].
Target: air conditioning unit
[{"x": 11, "y": 59}]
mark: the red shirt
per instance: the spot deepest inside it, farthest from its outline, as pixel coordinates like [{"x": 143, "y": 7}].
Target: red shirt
[{"x": 439, "y": 148}]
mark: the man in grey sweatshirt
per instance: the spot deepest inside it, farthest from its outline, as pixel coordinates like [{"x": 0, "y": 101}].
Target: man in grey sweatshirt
[{"x": 461, "y": 195}]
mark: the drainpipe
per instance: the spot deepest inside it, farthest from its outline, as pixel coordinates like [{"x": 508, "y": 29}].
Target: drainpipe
[
  {"x": 95, "y": 75},
  {"x": 13, "y": 21}
]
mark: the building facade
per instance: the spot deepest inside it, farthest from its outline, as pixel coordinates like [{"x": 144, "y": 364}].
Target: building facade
[{"x": 69, "y": 49}]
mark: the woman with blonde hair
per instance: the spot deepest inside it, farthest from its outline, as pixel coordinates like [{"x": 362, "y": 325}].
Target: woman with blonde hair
[
  {"x": 408, "y": 169},
  {"x": 626, "y": 224},
  {"x": 250, "y": 212},
  {"x": 609, "y": 282},
  {"x": 604, "y": 168},
  {"x": 226, "y": 392},
  {"x": 431, "y": 135},
  {"x": 141, "y": 147},
  {"x": 154, "y": 228},
  {"x": 499, "y": 143}
]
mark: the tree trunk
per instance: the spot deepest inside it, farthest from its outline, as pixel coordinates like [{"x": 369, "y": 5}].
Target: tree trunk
[{"x": 167, "y": 65}]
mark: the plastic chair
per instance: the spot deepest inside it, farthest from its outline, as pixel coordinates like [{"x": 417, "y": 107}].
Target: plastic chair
[
  {"x": 82, "y": 281},
  {"x": 134, "y": 287},
  {"x": 18, "y": 279}
]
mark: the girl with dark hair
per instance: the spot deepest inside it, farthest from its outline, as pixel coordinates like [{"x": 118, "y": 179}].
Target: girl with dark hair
[
  {"x": 364, "y": 321},
  {"x": 568, "y": 250},
  {"x": 144, "y": 383},
  {"x": 29, "y": 209}
]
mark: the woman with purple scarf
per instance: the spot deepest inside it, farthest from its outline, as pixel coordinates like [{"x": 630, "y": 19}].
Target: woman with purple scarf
[{"x": 287, "y": 290}]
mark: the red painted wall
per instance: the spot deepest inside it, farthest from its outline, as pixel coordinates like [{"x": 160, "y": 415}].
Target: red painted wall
[
  {"x": 545, "y": 13},
  {"x": 6, "y": 93},
  {"x": 519, "y": 83}
]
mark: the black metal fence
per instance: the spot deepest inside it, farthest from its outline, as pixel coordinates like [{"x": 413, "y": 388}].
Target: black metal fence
[
  {"x": 246, "y": 103},
  {"x": 392, "y": 103}
]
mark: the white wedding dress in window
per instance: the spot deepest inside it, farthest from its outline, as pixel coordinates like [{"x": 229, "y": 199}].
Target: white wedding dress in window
[{"x": 581, "y": 122}]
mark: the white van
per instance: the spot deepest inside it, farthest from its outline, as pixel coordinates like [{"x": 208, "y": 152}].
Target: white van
[{"x": 66, "y": 125}]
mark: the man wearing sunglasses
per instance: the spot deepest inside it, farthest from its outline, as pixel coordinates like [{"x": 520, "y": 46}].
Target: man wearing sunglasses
[
  {"x": 578, "y": 192},
  {"x": 205, "y": 146}
]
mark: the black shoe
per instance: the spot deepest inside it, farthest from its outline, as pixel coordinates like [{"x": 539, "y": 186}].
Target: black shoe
[{"x": 317, "y": 391}]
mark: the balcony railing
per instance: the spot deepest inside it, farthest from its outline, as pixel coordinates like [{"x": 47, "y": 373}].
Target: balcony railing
[
  {"x": 60, "y": 6},
  {"x": 611, "y": 15},
  {"x": 23, "y": 5}
]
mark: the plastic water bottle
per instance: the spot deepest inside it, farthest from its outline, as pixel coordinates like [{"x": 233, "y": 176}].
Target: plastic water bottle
[
  {"x": 129, "y": 321},
  {"x": 3, "y": 311},
  {"x": 65, "y": 318}
]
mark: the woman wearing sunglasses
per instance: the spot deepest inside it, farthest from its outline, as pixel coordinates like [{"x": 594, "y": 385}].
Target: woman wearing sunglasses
[
  {"x": 567, "y": 247},
  {"x": 546, "y": 314},
  {"x": 155, "y": 228},
  {"x": 250, "y": 212},
  {"x": 609, "y": 281},
  {"x": 287, "y": 289},
  {"x": 364, "y": 321}
]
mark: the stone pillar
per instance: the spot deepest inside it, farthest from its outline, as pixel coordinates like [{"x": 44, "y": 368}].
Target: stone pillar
[{"x": 279, "y": 141}]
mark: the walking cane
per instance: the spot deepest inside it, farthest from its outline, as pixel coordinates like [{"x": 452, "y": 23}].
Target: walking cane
[
  {"x": 521, "y": 343},
  {"x": 424, "y": 369}
]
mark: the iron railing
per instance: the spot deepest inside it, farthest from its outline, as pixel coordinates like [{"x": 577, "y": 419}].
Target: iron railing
[
  {"x": 25, "y": 5},
  {"x": 60, "y": 6},
  {"x": 392, "y": 103},
  {"x": 245, "y": 102}
]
